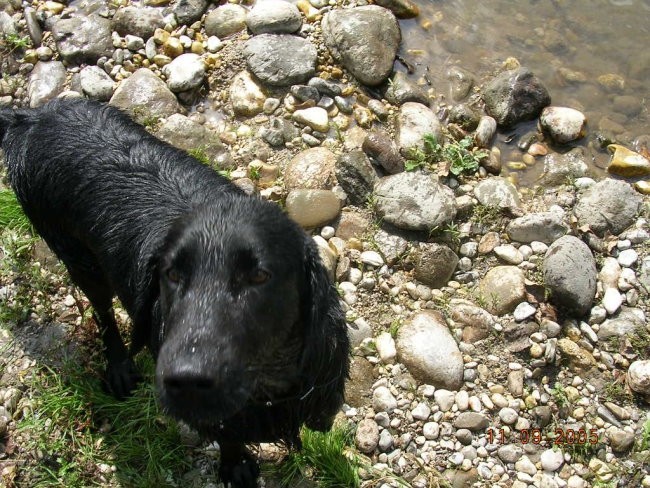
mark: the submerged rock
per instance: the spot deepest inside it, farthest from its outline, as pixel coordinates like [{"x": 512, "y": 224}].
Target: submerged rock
[
  {"x": 626, "y": 162},
  {"x": 515, "y": 96}
]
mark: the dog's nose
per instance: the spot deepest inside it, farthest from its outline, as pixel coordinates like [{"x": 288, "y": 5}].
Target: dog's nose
[{"x": 189, "y": 383}]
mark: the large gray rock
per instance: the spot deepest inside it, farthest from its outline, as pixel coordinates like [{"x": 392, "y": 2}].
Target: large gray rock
[
  {"x": 357, "y": 177},
  {"x": 281, "y": 59},
  {"x": 414, "y": 121},
  {"x": 184, "y": 133},
  {"x": 502, "y": 289},
  {"x": 570, "y": 274},
  {"x": 144, "y": 96},
  {"x": 515, "y": 96},
  {"x": 185, "y": 72},
  {"x": 96, "y": 83},
  {"x": 365, "y": 40},
  {"x": 46, "y": 81},
  {"x": 312, "y": 168},
  {"x": 543, "y": 226},
  {"x": 426, "y": 347},
  {"x": 138, "y": 21},
  {"x": 434, "y": 264},
  {"x": 608, "y": 206},
  {"x": 414, "y": 201},
  {"x": 560, "y": 168},
  {"x": 7, "y": 24},
  {"x": 82, "y": 39},
  {"x": 274, "y": 17},
  {"x": 225, "y": 20},
  {"x": 498, "y": 192}
]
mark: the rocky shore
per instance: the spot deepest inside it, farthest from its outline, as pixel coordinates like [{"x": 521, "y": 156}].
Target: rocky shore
[{"x": 500, "y": 333}]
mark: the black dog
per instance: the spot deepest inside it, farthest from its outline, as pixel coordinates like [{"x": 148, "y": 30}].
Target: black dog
[{"x": 228, "y": 293}]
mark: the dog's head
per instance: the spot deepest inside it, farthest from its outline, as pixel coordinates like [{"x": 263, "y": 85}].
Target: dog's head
[{"x": 248, "y": 316}]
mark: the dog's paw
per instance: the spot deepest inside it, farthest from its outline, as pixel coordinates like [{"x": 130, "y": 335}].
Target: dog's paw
[
  {"x": 121, "y": 378},
  {"x": 240, "y": 473}
]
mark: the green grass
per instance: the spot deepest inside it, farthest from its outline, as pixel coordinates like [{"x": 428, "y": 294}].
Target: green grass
[
  {"x": 11, "y": 42},
  {"x": 643, "y": 442},
  {"x": 560, "y": 395},
  {"x": 462, "y": 156},
  {"x": 11, "y": 213},
  {"x": 323, "y": 459},
  {"x": 76, "y": 427},
  {"x": 201, "y": 154}
]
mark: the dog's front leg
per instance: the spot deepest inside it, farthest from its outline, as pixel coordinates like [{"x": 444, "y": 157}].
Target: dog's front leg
[
  {"x": 239, "y": 469},
  {"x": 121, "y": 374}
]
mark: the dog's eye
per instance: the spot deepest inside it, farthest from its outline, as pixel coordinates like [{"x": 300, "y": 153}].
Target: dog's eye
[
  {"x": 173, "y": 276},
  {"x": 259, "y": 276}
]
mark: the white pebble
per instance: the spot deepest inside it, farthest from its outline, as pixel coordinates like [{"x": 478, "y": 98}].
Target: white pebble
[
  {"x": 523, "y": 311},
  {"x": 612, "y": 300},
  {"x": 628, "y": 257},
  {"x": 372, "y": 258}
]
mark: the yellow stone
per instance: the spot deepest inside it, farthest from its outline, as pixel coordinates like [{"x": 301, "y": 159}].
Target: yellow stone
[
  {"x": 54, "y": 7},
  {"x": 160, "y": 36},
  {"x": 197, "y": 47},
  {"x": 643, "y": 187},
  {"x": 626, "y": 162},
  {"x": 173, "y": 47}
]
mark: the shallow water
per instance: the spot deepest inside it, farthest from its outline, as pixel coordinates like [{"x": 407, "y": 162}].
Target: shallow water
[{"x": 568, "y": 44}]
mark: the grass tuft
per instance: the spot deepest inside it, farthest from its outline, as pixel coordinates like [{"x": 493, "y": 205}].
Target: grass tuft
[
  {"x": 462, "y": 156},
  {"x": 12, "y": 216},
  {"x": 323, "y": 459}
]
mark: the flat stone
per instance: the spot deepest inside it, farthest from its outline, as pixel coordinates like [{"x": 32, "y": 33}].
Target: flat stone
[
  {"x": 473, "y": 421},
  {"x": 314, "y": 117},
  {"x": 138, "y": 21},
  {"x": 543, "y": 227},
  {"x": 434, "y": 264},
  {"x": 356, "y": 175},
  {"x": 280, "y": 59},
  {"x": 366, "y": 437},
  {"x": 414, "y": 121},
  {"x": 498, "y": 192},
  {"x": 185, "y": 72},
  {"x": 82, "y": 39},
  {"x": 225, "y": 20}
]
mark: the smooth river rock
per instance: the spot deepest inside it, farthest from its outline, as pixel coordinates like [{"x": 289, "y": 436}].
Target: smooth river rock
[
  {"x": 570, "y": 274},
  {"x": 414, "y": 121},
  {"x": 312, "y": 168},
  {"x": 82, "y": 39},
  {"x": 274, "y": 17},
  {"x": 426, "y": 347},
  {"x": 502, "y": 289},
  {"x": 46, "y": 81},
  {"x": 312, "y": 208}
]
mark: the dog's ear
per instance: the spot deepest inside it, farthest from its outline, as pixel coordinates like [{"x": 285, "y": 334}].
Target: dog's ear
[{"x": 325, "y": 359}]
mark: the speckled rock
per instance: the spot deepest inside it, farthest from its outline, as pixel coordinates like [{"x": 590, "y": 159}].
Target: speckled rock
[
  {"x": 570, "y": 274},
  {"x": 382, "y": 149},
  {"x": 430, "y": 353},
  {"x": 414, "y": 201},
  {"x": 638, "y": 377},
  {"x": 560, "y": 168},
  {"x": 365, "y": 40},
  {"x": 609, "y": 205},
  {"x": 312, "y": 168}
]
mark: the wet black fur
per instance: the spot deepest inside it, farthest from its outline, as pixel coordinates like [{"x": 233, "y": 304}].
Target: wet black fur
[{"x": 227, "y": 292}]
